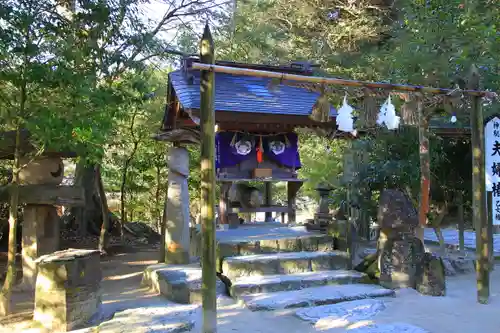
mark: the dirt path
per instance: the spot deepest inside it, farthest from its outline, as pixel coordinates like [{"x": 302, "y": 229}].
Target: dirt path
[
  {"x": 457, "y": 312},
  {"x": 122, "y": 274}
]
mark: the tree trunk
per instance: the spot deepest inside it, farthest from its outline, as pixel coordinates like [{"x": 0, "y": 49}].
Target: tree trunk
[
  {"x": 104, "y": 236},
  {"x": 126, "y": 165},
  {"x": 425, "y": 172},
  {"x": 123, "y": 216},
  {"x": 436, "y": 224},
  {"x": 10, "y": 277},
  {"x": 157, "y": 199},
  {"x": 85, "y": 176},
  {"x": 88, "y": 218},
  {"x": 163, "y": 231},
  {"x": 461, "y": 222}
]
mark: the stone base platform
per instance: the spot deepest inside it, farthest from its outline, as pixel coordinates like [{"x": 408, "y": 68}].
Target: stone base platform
[{"x": 178, "y": 283}]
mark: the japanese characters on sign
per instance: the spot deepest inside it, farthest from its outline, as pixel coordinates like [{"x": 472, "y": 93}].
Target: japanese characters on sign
[{"x": 492, "y": 166}]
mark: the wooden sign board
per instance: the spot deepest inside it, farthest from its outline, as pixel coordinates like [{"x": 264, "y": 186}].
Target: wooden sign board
[{"x": 492, "y": 164}]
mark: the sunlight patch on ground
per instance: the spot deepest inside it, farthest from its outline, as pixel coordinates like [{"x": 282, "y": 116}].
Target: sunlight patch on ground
[
  {"x": 125, "y": 299},
  {"x": 227, "y": 314},
  {"x": 121, "y": 277},
  {"x": 389, "y": 328},
  {"x": 362, "y": 323},
  {"x": 140, "y": 263}
]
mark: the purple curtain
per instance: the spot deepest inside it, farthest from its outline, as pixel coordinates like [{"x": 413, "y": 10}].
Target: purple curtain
[
  {"x": 232, "y": 148},
  {"x": 226, "y": 149},
  {"x": 284, "y": 149}
]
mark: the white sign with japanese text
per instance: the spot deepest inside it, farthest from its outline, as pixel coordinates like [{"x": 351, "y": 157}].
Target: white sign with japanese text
[{"x": 492, "y": 164}]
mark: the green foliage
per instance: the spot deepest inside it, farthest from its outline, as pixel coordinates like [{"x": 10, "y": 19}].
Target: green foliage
[
  {"x": 279, "y": 30},
  {"x": 134, "y": 162},
  {"x": 78, "y": 80},
  {"x": 47, "y": 87},
  {"x": 322, "y": 162},
  {"x": 424, "y": 42},
  {"x": 393, "y": 162},
  {"x": 435, "y": 42}
]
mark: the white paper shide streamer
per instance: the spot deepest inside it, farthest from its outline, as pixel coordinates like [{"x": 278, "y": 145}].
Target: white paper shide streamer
[
  {"x": 344, "y": 117},
  {"x": 387, "y": 115}
]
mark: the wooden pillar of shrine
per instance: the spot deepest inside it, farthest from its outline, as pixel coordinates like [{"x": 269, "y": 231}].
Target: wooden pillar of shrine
[
  {"x": 292, "y": 189},
  {"x": 268, "y": 200},
  {"x": 226, "y": 216},
  {"x": 224, "y": 204}
]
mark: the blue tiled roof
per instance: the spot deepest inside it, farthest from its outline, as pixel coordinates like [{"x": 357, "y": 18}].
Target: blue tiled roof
[{"x": 249, "y": 94}]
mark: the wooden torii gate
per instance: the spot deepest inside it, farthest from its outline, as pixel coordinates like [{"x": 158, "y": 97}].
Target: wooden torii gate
[{"x": 207, "y": 123}]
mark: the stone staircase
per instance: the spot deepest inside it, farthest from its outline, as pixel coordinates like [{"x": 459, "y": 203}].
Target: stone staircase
[
  {"x": 278, "y": 278},
  {"x": 270, "y": 268}
]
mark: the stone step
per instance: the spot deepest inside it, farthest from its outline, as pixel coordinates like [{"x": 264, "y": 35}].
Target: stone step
[
  {"x": 273, "y": 283},
  {"x": 263, "y": 240},
  {"x": 313, "y": 296},
  {"x": 283, "y": 263},
  {"x": 178, "y": 283},
  {"x": 344, "y": 314},
  {"x": 168, "y": 318}
]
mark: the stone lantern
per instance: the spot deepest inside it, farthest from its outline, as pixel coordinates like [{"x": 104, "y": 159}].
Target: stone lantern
[
  {"x": 323, "y": 216},
  {"x": 40, "y": 190}
]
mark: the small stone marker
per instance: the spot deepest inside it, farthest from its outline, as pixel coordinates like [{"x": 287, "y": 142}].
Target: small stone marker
[
  {"x": 68, "y": 289},
  {"x": 432, "y": 280}
]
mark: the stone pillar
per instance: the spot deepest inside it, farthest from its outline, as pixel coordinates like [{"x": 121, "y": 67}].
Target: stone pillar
[
  {"x": 68, "y": 289},
  {"x": 177, "y": 210},
  {"x": 40, "y": 235},
  {"x": 40, "y": 231}
]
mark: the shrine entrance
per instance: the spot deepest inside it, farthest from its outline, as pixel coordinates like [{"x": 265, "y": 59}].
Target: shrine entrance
[{"x": 244, "y": 117}]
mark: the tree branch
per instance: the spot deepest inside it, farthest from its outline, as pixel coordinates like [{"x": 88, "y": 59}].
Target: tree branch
[{"x": 168, "y": 16}]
